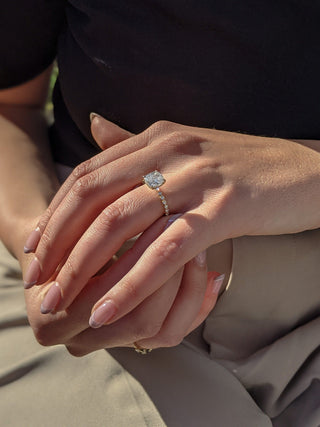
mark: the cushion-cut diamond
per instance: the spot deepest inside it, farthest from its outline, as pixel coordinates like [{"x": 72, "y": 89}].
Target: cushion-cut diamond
[{"x": 154, "y": 179}]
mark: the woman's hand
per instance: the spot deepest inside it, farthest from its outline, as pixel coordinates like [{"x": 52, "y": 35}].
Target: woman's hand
[
  {"x": 162, "y": 320},
  {"x": 224, "y": 185}
]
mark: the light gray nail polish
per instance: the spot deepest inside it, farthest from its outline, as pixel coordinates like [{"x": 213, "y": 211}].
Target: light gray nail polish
[
  {"x": 102, "y": 314},
  {"x": 32, "y": 274},
  {"x": 51, "y": 299}
]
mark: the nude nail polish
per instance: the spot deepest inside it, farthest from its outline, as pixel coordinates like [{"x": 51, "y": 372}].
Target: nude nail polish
[
  {"x": 102, "y": 314},
  {"x": 217, "y": 283},
  {"x": 32, "y": 241},
  {"x": 51, "y": 299},
  {"x": 93, "y": 115},
  {"x": 32, "y": 274}
]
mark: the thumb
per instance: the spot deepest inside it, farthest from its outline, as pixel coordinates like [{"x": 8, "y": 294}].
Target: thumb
[{"x": 106, "y": 133}]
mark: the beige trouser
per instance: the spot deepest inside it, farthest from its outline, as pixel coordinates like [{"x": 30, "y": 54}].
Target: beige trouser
[{"x": 255, "y": 362}]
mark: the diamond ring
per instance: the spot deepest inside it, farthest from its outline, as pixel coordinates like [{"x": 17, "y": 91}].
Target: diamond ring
[
  {"x": 155, "y": 180},
  {"x": 141, "y": 350}
]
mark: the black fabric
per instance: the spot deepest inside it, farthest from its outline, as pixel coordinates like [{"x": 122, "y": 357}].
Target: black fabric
[
  {"x": 28, "y": 38},
  {"x": 246, "y": 66}
]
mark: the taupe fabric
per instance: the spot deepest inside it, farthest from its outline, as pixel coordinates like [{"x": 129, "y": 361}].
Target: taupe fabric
[
  {"x": 255, "y": 362},
  {"x": 47, "y": 387},
  {"x": 266, "y": 326}
]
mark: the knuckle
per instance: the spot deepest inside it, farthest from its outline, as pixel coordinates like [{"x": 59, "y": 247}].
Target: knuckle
[
  {"x": 46, "y": 241},
  {"x": 47, "y": 330},
  {"x": 44, "y": 219},
  {"x": 44, "y": 335},
  {"x": 170, "y": 340},
  {"x": 81, "y": 170},
  {"x": 178, "y": 136},
  {"x": 70, "y": 270},
  {"x": 84, "y": 185},
  {"x": 161, "y": 126},
  {"x": 113, "y": 213},
  {"x": 158, "y": 128},
  {"x": 77, "y": 351},
  {"x": 167, "y": 250}
]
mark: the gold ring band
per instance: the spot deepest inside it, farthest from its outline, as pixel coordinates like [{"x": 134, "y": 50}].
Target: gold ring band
[{"x": 140, "y": 349}]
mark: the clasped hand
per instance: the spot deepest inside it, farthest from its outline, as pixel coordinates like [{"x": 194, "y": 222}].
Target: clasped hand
[{"x": 219, "y": 185}]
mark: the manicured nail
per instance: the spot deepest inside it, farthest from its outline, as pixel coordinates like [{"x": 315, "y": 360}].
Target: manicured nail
[
  {"x": 32, "y": 241},
  {"x": 51, "y": 299},
  {"x": 201, "y": 259},
  {"x": 93, "y": 115},
  {"x": 171, "y": 220},
  {"x": 102, "y": 314},
  {"x": 217, "y": 283},
  {"x": 32, "y": 274}
]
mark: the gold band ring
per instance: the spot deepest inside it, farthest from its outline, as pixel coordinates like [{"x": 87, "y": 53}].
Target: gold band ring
[{"x": 140, "y": 349}]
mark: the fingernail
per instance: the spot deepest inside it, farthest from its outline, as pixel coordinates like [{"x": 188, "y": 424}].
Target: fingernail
[
  {"x": 32, "y": 274},
  {"x": 51, "y": 299},
  {"x": 102, "y": 314},
  {"x": 201, "y": 259},
  {"x": 32, "y": 241},
  {"x": 217, "y": 283},
  {"x": 171, "y": 220},
  {"x": 93, "y": 115}
]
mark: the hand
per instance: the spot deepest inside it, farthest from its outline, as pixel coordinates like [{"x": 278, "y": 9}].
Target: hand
[
  {"x": 150, "y": 327},
  {"x": 225, "y": 185}
]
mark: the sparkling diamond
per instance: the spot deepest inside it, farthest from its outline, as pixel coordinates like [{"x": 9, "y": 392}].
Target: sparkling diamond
[{"x": 154, "y": 179}]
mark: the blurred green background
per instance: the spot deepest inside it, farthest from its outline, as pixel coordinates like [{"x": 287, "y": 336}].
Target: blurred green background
[{"x": 54, "y": 75}]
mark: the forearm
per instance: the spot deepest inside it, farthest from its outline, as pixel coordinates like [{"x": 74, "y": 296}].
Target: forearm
[{"x": 27, "y": 177}]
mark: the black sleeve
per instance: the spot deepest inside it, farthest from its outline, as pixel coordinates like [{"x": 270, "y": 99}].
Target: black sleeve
[{"x": 29, "y": 32}]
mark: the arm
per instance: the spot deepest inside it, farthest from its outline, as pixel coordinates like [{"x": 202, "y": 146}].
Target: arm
[{"x": 27, "y": 177}]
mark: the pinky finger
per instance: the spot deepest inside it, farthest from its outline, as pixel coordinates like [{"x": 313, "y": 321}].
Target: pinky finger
[{"x": 215, "y": 282}]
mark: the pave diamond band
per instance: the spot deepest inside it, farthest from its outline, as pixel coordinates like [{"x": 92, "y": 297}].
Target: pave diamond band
[
  {"x": 141, "y": 350},
  {"x": 155, "y": 180}
]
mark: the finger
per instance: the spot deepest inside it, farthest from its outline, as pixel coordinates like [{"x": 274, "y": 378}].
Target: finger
[
  {"x": 186, "y": 305},
  {"x": 59, "y": 328},
  {"x": 143, "y": 322},
  {"x": 83, "y": 203},
  {"x": 118, "y": 151},
  {"x": 106, "y": 133},
  {"x": 87, "y": 203},
  {"x": 173, "y": 248},
  {"x": 214, "y": 283},
  {"x": 126, "y": 218},
  {"x": 67, "y": 285}
]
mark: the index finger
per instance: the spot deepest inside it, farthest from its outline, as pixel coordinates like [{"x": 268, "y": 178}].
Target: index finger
[
  {"x": 106, "y": 134},
  {"x": 167, "y": 254}
]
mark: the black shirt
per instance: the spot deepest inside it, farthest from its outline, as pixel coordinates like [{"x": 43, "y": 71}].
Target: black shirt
[{"x": 246, "y": 66}]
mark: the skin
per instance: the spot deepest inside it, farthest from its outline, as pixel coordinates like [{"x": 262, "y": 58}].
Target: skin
[
  {"x": 272, "y": 185},
  {"x": 32, "y": 186}
]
